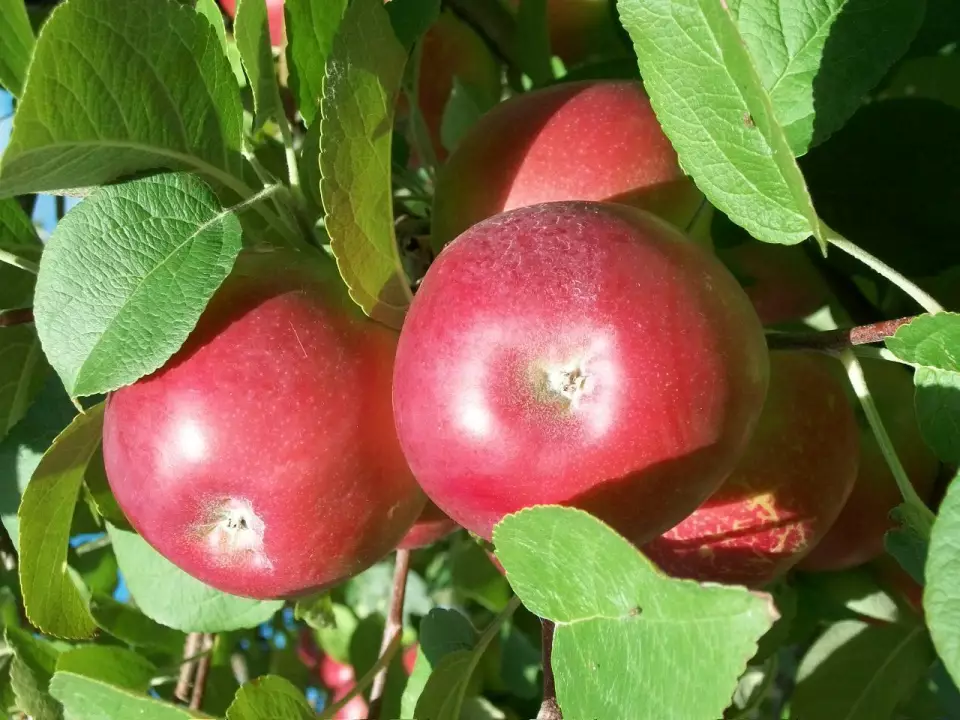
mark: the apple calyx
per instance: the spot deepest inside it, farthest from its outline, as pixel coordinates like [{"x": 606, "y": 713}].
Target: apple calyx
[
  {"x": 234, "y": 533},
  {"x": 564, "y": 384}
]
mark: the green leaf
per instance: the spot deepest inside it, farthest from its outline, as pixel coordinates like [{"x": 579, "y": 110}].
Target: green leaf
[
  {"x": 253, "y": 41},
  {"x": 861, "y": 671},
  {"x": 311, "y": 27},
  {"x": 22, "y": 449},
  {"x": 938, "y": 411},
  {"x": 34, "y": 661},
  {"x": 936, "y": 78},
  {"x": 16, "y": 45},
  {"x": 127, "y": 623},
  {"x": 91, "y": 699},
  {"x": 52, "y": 601},
  {"x": 165, "y": 593},
  {"x": 930, "y": 341},
  {"x": 18, "y": 238},
  {"x": 99, "y": 494},
  {"x": 335, "y": 639},
  {"x": 316, "y": 611},
  {"x": 268, "y": 698},
  {"x": 732, "y": 146},
  {"x": 941, "y": 595},
  {"x": 909, "y": 540},
  {"x": 465, "y": 106},
  {"x": 82, "y": 122},
  {"x": 412, "y": 18},
  {"x": 623, "y": 613},
  {"x": 817, "y": 59},
  {"x": 115, "y": 665},
  {"x": 443, "y": 696},
  {"x": 364, "y": 73},
  {"x": 533, "y": 46},
  {"x": 442, "y": 632},
  {"x": 211, "y": 11},
  {"x": 127, "y": 274},
  {"x": 473, "y": 575},
  {"x": 23, "y": 371},
  {"x": 369, "y": 592}
]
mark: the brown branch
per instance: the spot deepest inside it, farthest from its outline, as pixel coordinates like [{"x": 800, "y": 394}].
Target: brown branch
[
  {"x": 20, "y": 316},
  {"x": 831, "y": 340},
  {"x": 190, "y": 648},
  {"x": 549, "y": 708},
  {"x": 393, "y": 629},
  {"x": 203, "y": 667}
]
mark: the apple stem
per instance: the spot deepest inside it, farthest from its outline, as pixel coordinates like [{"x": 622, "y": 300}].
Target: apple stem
[
  {"x": 21, "y": 316},
  {"x": 393, "y": 629},
  {"x": 10, "y": 258},
  {"x": 859, "y": 383},
  {"x": 920, "y": 296},
  {"x": 549, "y": 708},
  {"x": 832, "y": 340}
]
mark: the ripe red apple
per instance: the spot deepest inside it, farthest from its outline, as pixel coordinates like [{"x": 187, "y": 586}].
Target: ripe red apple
[
  {"x": 432, "y": 526},
  {"x": 274, "y": 18},
  {"x": 578, "y": 353},
  {"x": 262, "y": 458},
  {"x": 781, "y": 281},
  {"x": 857, "y": 536},
  {"x": 595, "y": 140},
  {"x": 785, "y": 492},
  {"x": 410, "y": 658}
]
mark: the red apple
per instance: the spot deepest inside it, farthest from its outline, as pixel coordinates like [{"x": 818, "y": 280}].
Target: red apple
[
  {"x": 432, "y": 525},
  {"x": 274, "y": 18},
  {"x": 578, "y": 353},
  {"x": 781, "y": 281},
  {"x": 356, "y": 709},
  {"x": 786, "y": 491},
  {"x": 596, "y": 140},
  {"x": 410, "y": 658},
  {"x": 857, "y": 536},
  {"x": 262, "y": 458},
  {"x": 333, "y": 674}
]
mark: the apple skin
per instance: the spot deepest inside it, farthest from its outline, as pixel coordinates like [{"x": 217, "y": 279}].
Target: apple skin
[
  {"x": 262, "y": 458},
  {"x": 432, "y": 526},
  {"x": 577, "y": 353},
  {"x": 590, "y": 140},
  {"x": 787, "y": 489},
  {"x": 274, "y": 18},
  {"x": 857, "y": 536},
  {"x": 781, "y": 281}
]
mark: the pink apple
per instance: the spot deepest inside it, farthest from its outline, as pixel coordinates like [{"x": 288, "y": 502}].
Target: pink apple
[
  {"x": 597, "y": 140},
  {"x": 585, "y": 354},
  {"x": 262, "y": 458},
  {"x": 785, "y": 492},
  {"x": 432, "y": 525}
]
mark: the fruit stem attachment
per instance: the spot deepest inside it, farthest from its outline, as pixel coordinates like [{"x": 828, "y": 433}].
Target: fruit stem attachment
[
  {"x": 393, "y": 629},
  {"x": 21, "y": 316},
  {"x": 363, "y": 683},
  {"x": 549, "y": 708},
  {"x": 859, "y": 384},
  {"x": 10, "y": 258},
  {"x": 832, "y": 340},
  {"x": 921, "y": 297}
]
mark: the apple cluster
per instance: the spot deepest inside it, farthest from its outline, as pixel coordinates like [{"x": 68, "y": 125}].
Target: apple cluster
[{"x": 574, "y": 342}]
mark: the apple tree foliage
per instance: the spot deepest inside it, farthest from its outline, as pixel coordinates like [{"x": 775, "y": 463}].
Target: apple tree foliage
[{"x": 831, "y": 123}]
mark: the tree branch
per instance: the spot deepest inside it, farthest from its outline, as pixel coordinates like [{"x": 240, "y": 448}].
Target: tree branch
[
  {"x": 835, "y": 340},
  {"x": 190, "y": 648},
  {"x": 393, "y": 628},
  {"x": 549, "y": 709},
  {"x": 203, "y": 667},
  {"x": 21, "y": 316}
]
